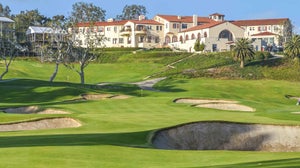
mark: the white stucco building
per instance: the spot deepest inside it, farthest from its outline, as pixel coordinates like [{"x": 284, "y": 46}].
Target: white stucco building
[{"x": 182, "y": 31}]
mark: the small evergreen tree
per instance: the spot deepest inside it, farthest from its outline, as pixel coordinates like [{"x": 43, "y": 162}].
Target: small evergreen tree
[{"x": 197, "y": 45}]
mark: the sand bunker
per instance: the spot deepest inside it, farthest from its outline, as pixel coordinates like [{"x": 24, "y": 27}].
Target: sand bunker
[
  {"x": 229, "y": 136},
  {"x": 33, "y": 110},
  {"x": 52, "y": 123},
  {"x": 103, "y": 96},
  {"x": 215, "y": 104}
]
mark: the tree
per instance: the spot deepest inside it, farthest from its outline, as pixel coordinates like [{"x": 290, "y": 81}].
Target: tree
[
  {"x": 4, "y": 11},
  {"x": 56, "y": 50},
  {"x": 26, "y": 19},
  {"x": 286, "y": 32},
  {"x": 58, "y": 21},
  {"x": 292, "y": 47},
  {"x": 242, "y": 50},
  {"x": 199, "y": 46},
  {"x": 132, "y": 12},
  {"x": 8, "y": 51},
  {"x": 86, "y": 12},
  {"x": 82, "y": 55}
]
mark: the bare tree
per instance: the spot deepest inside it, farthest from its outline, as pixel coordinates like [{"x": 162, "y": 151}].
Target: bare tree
[
  {"x": 79, "y": 54},
  {"x": 7, "y": 54},
  {"x": 56, "y": 50}
]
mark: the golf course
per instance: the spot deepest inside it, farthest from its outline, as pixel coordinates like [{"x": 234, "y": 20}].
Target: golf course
[{"x": 113, "y": 120}]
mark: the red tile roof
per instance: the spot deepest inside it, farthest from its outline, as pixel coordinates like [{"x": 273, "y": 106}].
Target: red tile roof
[
  {"x": 151, "y": 22},
  {"x": 86, "y": 24},
  {"x": 185, "y": 19},
  {"x": 264, "y": 34},
  {"x": 204, "y": 26},
  {"x": 260, "y": 22}
]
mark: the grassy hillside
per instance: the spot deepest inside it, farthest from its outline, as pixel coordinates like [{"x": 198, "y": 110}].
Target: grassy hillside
[{"x": 115, "y": 133}]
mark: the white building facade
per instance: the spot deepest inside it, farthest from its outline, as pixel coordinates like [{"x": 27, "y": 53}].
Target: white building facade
[{"x": 182, "y": 31}]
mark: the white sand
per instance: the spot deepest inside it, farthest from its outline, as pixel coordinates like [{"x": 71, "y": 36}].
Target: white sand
[
  {"x": 53, "y": 123},
  {"x": 229, "y": 136},
  {"x": 215, "y": 104},
  {"x": 33, "y": 110}
]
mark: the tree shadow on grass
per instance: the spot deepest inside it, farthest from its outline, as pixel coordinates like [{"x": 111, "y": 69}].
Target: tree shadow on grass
[
  {"x": 132, "y": 139},
  {"x": 38, "y": 92},
  {"x": 170, "y": 85},
  {"x": 282, "y": 163}
]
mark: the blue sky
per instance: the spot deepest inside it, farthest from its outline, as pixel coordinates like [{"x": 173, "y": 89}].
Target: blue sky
[{"x": 232, "y": 9}]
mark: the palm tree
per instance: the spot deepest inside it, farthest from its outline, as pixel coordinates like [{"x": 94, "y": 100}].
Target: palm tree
[
  {"x": 292, "y": 47},
  {"x": 243, "y": 49}
]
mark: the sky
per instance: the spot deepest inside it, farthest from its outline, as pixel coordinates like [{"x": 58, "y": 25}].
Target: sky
[{"x": 232, "y": 9}]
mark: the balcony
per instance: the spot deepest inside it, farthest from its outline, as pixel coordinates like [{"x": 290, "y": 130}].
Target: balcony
[
  {"x": 141, "y": 31},
  {"x": 125, "y": 32}
]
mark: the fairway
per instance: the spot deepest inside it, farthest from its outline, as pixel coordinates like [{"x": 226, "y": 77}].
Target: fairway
[{"x": 117, "y": 132}]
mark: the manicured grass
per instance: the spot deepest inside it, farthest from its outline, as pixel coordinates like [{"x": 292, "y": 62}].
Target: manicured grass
[{"x": 115, "y": 133}]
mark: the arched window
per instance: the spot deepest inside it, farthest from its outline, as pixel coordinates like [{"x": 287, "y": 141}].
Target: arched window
[
  {"x": 174, "y": 39},
  {"x": 205, "y": 34},
  {"x": 226, "y": 34},
  {"x": 186, "y": 37},
  {"x": 199, "y": 36},
  {"x": 167, "y": 39},
  {"x": 193, "y": 36},
  {"x": 181, "y": 39}
]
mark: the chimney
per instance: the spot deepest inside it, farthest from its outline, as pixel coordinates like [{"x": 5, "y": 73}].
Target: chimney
[
  {"x": 195, "y": 20},
  {"x": 178, "y": 17},
  {"x": 142, "y": 17},
  {"x": 110, "y": 20}
]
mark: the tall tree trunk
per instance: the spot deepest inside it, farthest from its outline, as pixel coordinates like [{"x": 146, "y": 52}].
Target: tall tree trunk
[
  {"x": 5, "y": 72},
  {"x": 54, "y": 73},
  {"x": 6, "y": 67},
  {"x": 242, "y": 63},
  {"x": 81, "y": 75}
]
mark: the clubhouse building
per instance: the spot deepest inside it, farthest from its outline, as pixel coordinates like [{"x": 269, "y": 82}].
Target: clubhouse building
[
  {"x": 178, "y": 32},
  {"x": 181, "y": 32}
]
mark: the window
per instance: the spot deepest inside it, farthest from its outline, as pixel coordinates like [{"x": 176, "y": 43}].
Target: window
[
  {"x": 159, "y": 28},
  {"x": 167, "y": 39},
  {"x": 184, "y": 26},
  {"x": 115, "y": 29},
  {"x": 157, "y": 40},
  {"x": 193, "y": 36},
  {"x": 100, "y": 29},
  {"x": 115, "y": 40},
  {"x": 205, "y": 34},
  {"x": 108, "y": 29},
  {"x": 149, "y": 39},
  {"x": 108, "y": 39},
  {"x": 174, "y": 39},
  {"x": 174, "y": 26},
  {"x": 121, "y": 40},
  {"x": 186, "y": 37},
  {"x": 167, "y": 25},
  {"x": 199, "y": 35}
]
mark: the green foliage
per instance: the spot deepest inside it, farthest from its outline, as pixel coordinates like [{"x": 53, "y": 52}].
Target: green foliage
[
  {"x": 132, "y": 12},
  {"x": 197, "y": 45},
  {"x": 86, "y": 12},
  {"x": 243, "y": 50},
  {"x": 292, "y": 47},
  {"x": 261, "y": 55}
]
